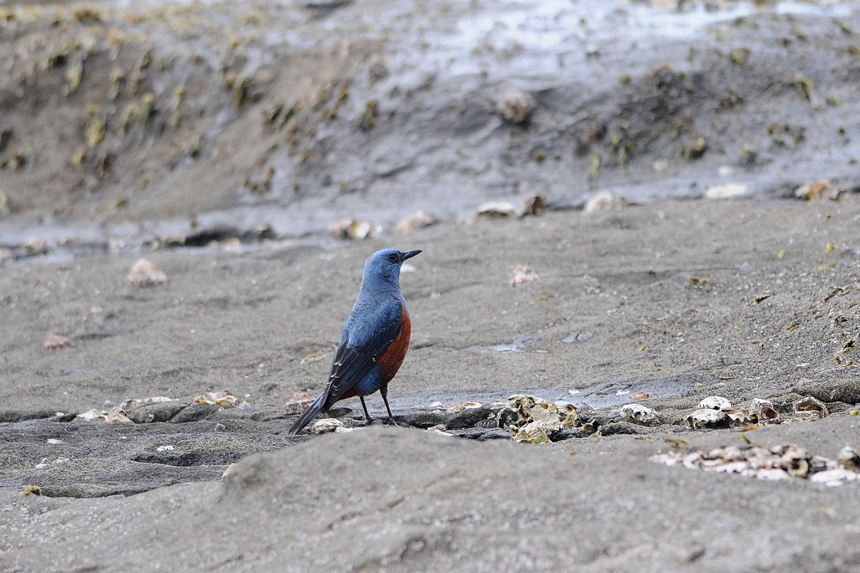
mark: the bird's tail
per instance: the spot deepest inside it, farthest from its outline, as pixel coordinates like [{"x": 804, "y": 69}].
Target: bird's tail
[{"x": 307, "y": 416}]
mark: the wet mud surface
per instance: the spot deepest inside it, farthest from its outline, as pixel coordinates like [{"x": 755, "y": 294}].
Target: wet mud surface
[
  {"x": 150, "y": 124},
  {"x": 683, "y": 300},
  {"x": 221, "y": 141}
]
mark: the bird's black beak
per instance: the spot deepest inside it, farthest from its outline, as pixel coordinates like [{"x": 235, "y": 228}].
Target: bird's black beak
[{"x": 410, "y": 254}]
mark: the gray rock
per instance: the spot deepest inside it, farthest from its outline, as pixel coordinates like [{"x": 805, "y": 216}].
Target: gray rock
[
  {"x": 193, "y": 413},
  {"x": 847, "y": 391},
  {"x": 157, "y": 412}
]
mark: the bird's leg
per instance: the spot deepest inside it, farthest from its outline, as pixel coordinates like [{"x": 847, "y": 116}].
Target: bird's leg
[
  {"x": 366, "y": 415},
  {"x": 384, "y": 392}
]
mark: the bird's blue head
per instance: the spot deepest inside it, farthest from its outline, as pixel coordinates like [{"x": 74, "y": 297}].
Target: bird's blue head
[{"x": 383, "y": 267}]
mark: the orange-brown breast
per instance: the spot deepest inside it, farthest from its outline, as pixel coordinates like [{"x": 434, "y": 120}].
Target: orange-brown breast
[{"x": 390, "y": 361}]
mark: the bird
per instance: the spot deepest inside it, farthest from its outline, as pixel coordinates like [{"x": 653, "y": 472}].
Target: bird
[{"x": 374, "y": 340}]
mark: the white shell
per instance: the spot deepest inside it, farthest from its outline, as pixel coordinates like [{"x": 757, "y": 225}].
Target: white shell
[
  {"x": 706, "y": 418},
  {"x": 764, "y": 411},
  {"x": 639, "y": 414},
  {"x": 144, "y": 273},
  {"x": 603, "y": 201},
  {"x": 55, "y": 342},
  {"x": 515, "y": 107},
  {"x": 715, "y": 403},
  {"x": 326, "y": 425},
  {"x": 522, "y": 274}
]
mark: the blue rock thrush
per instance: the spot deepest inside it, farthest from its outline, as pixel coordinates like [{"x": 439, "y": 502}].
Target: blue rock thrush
[{"x": 374, "y": 341}]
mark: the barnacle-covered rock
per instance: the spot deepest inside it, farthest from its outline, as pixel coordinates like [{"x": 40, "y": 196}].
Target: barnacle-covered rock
[
  {"x": 523, "y": 410},
  {"x": 534, "y": 432}
]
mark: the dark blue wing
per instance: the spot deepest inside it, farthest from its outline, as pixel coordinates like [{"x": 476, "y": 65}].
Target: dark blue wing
[{"x": 363, "y": 342}]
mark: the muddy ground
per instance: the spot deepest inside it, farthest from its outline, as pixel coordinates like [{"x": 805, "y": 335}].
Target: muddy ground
[
  {"x": 155, "y": 131},
  {"x": 769, "y": 313}
]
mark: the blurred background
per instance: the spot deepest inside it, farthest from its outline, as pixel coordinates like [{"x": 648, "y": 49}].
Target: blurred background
[{"x": 134, "y": 125}]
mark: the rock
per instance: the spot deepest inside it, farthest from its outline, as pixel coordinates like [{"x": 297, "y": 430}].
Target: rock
[
  {"x": 482, "y": 434},
  {"x": 639, "y": 414},
  {"x": 155, "y": 412},
  {"x": 466, "y": 416},
  {"x": 847, "y": 391},
  {"x": 193, "y": 413},
  {"x": 427, "y": 418},
  {"x": 621, "y": 428},
  {"x": 567, "y": 434}
]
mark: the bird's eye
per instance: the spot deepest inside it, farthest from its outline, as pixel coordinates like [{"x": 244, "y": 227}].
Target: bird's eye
[{"x": 392, "y": 257}]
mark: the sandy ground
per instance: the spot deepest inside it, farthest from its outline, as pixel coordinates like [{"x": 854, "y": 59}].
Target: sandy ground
[
  {"x": 220, "y": 140},
  {"x": 770, "y": 306}
]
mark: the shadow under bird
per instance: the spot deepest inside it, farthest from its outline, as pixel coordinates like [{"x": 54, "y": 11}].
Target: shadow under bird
[{"x": 374, "y": 341}]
